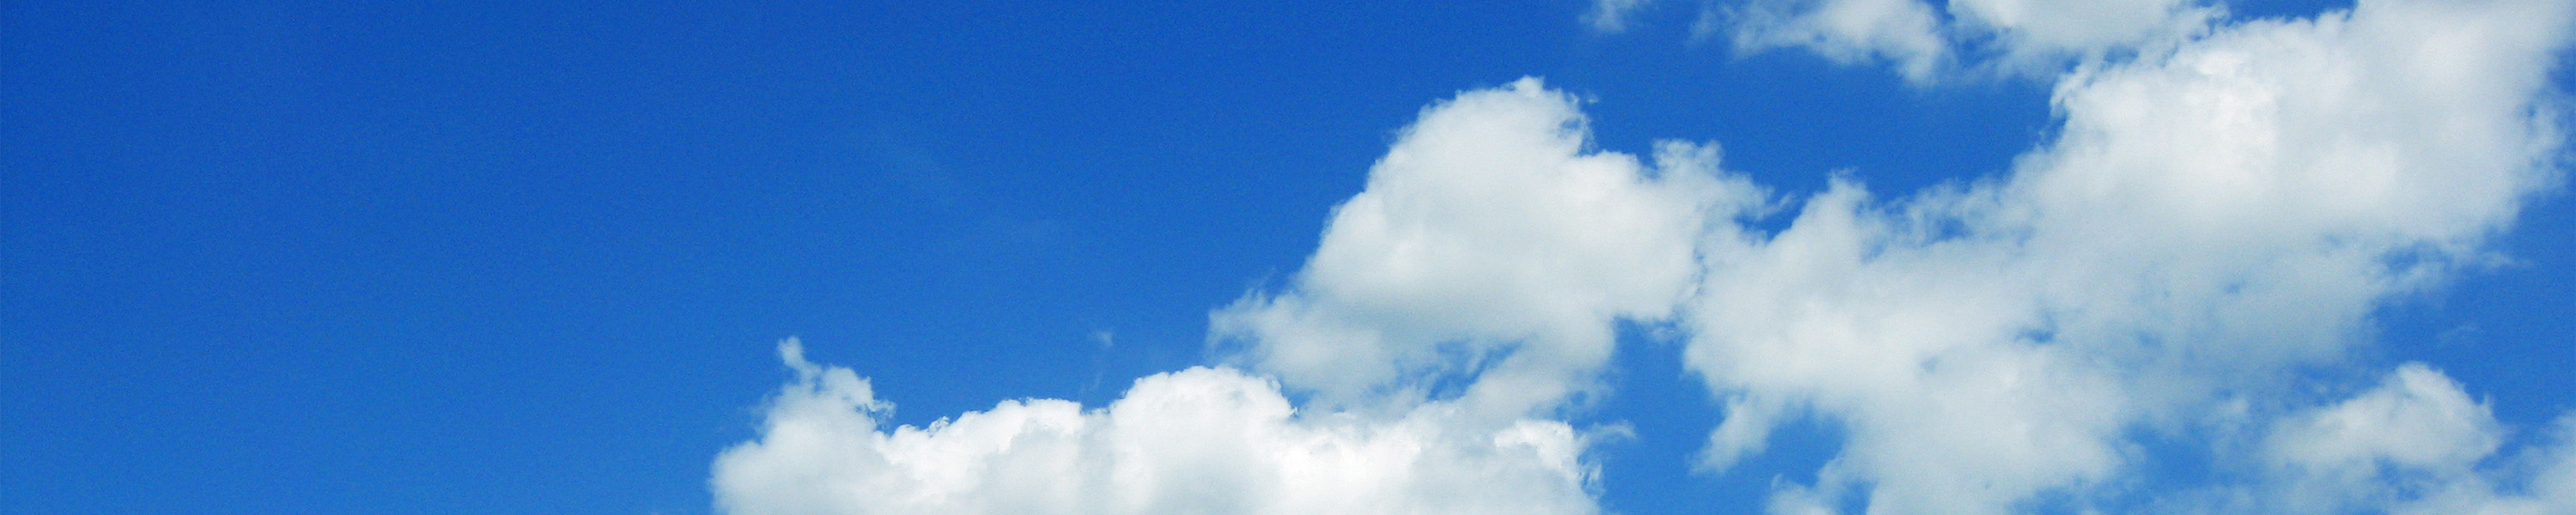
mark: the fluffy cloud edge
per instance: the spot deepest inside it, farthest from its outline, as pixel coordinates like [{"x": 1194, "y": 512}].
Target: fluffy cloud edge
[
  {"x": 1201, "y": 440},
  {"x": 1492, "y": 247},
  {"x": 2212, "y": 212},
  {"x": 2014, "y": 375}
]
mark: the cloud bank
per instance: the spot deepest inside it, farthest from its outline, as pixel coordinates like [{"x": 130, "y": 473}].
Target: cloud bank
[
  {"x": 2209, "y": 218},
  {"x": 2221, "y": 209}
]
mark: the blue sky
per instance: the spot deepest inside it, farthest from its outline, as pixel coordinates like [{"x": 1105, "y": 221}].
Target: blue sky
[{"x": 496, "y": 257}]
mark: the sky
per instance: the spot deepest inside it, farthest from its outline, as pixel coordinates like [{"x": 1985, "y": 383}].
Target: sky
[{"x": 1563, "y": 256}]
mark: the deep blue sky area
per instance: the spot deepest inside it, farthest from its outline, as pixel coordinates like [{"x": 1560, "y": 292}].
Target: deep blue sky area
[{"x": 513, "y": 257}]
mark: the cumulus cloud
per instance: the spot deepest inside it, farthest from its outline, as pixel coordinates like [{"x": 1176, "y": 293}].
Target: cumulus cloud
[
  {"x": 2541, "y": 479},
  {"x": 2415, "y": 444},
  {"x": 2418, "y": 422},
  {"x": 2210, "y": 216},
  {"x": 1492, "y": 249},
  {"x": 1202, "y": 440},
  {"x": 2222, "y": 204},
  {"x": 1491, "y": 245}
]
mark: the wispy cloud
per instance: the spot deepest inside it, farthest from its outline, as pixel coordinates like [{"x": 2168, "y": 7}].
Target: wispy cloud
[
  {"x": 1611, "y": 16},
  {"x": 1926, "y": 42}
]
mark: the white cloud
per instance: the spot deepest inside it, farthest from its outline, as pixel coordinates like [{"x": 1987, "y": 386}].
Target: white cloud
[
  {"x": 1904, "y": 33},
  {"x": 2227, "y": 204},
  {"x": 1491, "y": 248},
  {"x": 2210, "y": 215},
  {"x": 2414, "y": 445},
  {"x": 2419, "y": 423},
  {"x": 1490, "y": 244},
  {"x": 2036, "y": 37},
  {"x": 2540, "y": 480},
  {"x": 1925, "y": 43},
  {"x": 1203, "y": 440},
  {"x": 1611, "y": 16}
]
